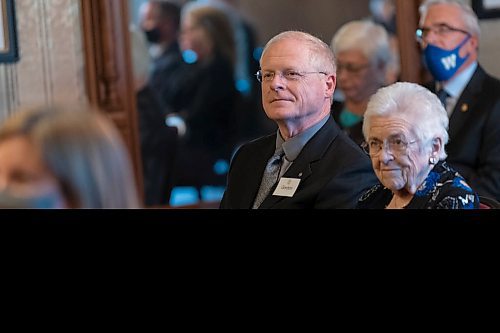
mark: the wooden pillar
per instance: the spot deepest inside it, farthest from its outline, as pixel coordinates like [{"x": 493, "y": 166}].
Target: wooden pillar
[
  {"x": 109, "y": 76},
  {"x": 407, "y": 24}
]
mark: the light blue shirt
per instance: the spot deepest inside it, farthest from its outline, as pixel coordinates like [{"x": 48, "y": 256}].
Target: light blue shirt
[
  {"x": 455, "y": 86},
  {"x": 294, "y": 146}
]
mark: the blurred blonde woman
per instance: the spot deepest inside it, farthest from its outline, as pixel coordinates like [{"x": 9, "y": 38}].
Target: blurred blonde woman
[{"x": 64, "y": 157}]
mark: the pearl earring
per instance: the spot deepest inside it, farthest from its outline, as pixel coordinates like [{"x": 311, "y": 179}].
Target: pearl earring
[{"x": 432, "y": 160}]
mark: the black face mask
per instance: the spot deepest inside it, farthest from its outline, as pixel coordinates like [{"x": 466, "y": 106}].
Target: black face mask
[{"x": 153, "y": 36}]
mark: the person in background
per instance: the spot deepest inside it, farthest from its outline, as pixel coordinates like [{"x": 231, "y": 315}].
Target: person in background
[
  {"x": 159, "y": 20},
  {"x": 252, "y": 121},
  {"x": 363, "y": 58},
  {"x": 205, "y": 97},
  {"x": 405, "y": 128},
  {"x": 158, "y": 141},
  {"x": 308, "y": 162},
  {"x": 64, "y": 157},
  {"x": 383, "y": 12},
  {"x": 449, "y": 36}
]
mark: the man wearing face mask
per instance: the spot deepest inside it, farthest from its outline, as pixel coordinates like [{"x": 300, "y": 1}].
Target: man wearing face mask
[
  {"x": 449, "y": 36},
  {"x": 159, "y": 20}
]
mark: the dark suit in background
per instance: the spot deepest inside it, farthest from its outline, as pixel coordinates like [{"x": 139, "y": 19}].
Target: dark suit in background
[
  {"x": 159, "y": 146},
  {"x": 474, "y": 146},
  {"x": 355, "y": 132},
  {"x": 334, "y": 172}
]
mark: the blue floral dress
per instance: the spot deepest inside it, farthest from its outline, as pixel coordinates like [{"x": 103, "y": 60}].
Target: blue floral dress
[{"x": 443, "y": 188}]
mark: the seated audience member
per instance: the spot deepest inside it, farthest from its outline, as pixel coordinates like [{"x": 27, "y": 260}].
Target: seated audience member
[
  {"x": 363, "y": 57},
  {"x": 56, "y": 157},
  {"x": 449, "y": 36},
  {"x": 158, "y": 141},
  {"x": 308, "y": 162},
  {"x": 159, "y": 20},
  {"x": 384, "y": 13},
  {"x": 205, "y": 96},
  {"x": 251, "y": 122},
  {"x": 405, "y": 128}
]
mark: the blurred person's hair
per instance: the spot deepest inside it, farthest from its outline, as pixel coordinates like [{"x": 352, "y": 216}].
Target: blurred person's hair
[
  {"x": 217, "y": 26},
  {"x": 84, "y": 151},
  {"x": 169, "y": 10}
]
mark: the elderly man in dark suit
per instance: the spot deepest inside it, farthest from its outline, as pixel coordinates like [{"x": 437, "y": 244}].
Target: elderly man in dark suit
[
  {"x": 449, "y": 36},
  {"x": 308, "y": 162}
]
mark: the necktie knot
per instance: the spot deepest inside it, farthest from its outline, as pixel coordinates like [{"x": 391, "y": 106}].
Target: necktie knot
[
  {"x": 442, "y": 95},
  {"x": 276, "y": 158}
]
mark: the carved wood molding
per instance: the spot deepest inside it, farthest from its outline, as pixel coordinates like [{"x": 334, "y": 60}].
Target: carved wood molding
[{"x": 108, "y": 69}]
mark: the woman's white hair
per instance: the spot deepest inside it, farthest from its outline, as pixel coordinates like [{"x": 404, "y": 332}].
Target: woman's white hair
[{"x": 414, "y": 104}]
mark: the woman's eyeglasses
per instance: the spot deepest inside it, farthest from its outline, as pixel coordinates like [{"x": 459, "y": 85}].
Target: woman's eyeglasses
[{"x": 395, "y": 145}]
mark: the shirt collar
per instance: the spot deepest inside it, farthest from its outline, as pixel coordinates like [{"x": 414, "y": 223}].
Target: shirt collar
[
  {"x": 455, "y": 86},
  {"x": 294, "y": 146}
]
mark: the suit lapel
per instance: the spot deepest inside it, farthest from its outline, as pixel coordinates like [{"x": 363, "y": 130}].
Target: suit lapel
[
  {"x": 313, "y": 151},
  {"x": 466, "y": 104}
]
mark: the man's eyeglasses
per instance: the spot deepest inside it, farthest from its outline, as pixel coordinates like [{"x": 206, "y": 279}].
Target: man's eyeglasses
[
  {"x": 394, "y": 144},
  {"x": 351, "y": 68},
  {"x": 289, "y": 75},
  {"x": 440, "y": 30}
]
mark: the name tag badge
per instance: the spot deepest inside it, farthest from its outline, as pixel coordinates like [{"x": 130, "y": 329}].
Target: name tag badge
[{"x": 287, "y": 187}]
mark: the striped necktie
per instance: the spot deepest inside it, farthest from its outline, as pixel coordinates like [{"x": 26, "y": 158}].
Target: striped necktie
[{"x": 270, "y": 177}]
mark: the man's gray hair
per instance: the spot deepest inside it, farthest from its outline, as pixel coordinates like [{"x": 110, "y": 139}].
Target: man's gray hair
[{"x": 468, "y": 15}]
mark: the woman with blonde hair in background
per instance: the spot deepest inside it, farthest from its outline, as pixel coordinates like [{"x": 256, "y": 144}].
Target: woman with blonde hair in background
[{"x": 64, "y": 157}]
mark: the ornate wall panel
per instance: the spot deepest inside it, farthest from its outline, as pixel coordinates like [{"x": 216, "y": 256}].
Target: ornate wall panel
[{"x": 51, "y": 65}]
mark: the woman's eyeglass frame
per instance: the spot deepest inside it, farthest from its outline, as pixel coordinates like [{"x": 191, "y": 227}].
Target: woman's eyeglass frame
[{"x": 395, "y": 145}]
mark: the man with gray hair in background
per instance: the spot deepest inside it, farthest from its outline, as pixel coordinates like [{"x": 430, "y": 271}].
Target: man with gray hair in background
[{"x": 449, "y": 36}]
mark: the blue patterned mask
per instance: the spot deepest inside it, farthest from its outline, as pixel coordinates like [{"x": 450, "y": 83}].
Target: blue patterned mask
[{"x": 443, "y": 64}]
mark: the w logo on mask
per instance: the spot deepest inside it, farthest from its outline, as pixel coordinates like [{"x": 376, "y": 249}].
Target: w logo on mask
[
  {"x": 443, "y": 64},
  {"x": 449, "y": 62}
]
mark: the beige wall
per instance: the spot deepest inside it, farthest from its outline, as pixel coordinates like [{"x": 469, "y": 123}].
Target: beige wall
[
  {"x": 489, "y": 49},
  {"x": 51, "y": 57},
  {"x": 319, "y": 17}
]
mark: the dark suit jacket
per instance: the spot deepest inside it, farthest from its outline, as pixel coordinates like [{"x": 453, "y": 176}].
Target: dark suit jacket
[
  {"x": 334, "y": 172},
  {"x": 474, "y": 146},
  {"x": 355, "y": 132},
  {"x": 158, "y": 148}
]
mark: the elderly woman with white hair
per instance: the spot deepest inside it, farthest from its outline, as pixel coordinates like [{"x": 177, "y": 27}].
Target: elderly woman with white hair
[
  {"x": 365, "y": 63},
  {"x": 405, "y": 128}
]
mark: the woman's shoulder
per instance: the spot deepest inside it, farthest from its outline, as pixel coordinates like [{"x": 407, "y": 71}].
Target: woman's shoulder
[{"x": 453, "y": 190}]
